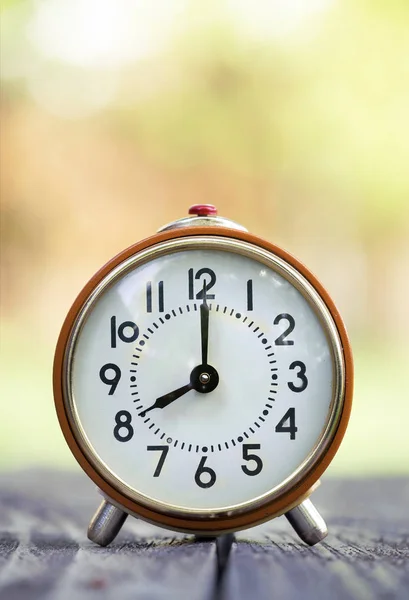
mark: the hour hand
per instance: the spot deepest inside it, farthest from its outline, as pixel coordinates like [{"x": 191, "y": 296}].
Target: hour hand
[{"x": 167, "y": 399}]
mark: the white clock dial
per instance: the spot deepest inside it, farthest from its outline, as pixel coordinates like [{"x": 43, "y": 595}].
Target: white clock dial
[{"x": 203, "y": 379}]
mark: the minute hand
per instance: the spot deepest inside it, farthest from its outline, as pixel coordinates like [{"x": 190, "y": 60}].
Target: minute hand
[
  {"x": 204, "y": 326},
  {"x": 164, "y": 401}
]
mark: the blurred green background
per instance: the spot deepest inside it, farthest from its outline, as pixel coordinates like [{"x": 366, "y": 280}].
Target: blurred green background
[{"x": 292, "y": 117}]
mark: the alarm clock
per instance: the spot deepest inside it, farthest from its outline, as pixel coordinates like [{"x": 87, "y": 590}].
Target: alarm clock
[{"x": 203, "y": 380}]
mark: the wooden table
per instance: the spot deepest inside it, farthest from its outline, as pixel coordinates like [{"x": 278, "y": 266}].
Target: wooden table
[{"x": 44, "y": 552}]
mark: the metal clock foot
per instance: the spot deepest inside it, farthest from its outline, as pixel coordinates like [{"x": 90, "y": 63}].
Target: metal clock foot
[
  {"x": 307, "y": 522},
  {"x": 106, "y": 524}
]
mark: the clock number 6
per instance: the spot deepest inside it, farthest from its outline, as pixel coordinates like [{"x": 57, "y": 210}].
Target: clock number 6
[
  {"x": 248, "y": 456},
  {"x": 201, "y": 469}
]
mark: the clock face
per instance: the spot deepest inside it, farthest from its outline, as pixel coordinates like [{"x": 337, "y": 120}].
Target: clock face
[{"x": 203, "y": 376}]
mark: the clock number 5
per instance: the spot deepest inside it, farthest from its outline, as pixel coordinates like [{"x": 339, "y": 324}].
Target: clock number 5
[
  {"x": 301, "y": 375},
  {"x": 201, "y": 470},
  {"x": 254, "y": 457}
]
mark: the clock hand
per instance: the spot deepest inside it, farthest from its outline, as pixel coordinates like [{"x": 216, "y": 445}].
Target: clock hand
[
  {"x": 204, "y": 326},
  {"x": 167, "y": 399}
]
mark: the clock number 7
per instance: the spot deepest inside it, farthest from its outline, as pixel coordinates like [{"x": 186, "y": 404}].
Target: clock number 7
[{"x": 164, "y": 450}]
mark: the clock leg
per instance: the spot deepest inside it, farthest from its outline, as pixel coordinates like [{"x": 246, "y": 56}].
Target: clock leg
[
  {"x": 106, "y": 523},
  {"x": 307, "y": 522}
]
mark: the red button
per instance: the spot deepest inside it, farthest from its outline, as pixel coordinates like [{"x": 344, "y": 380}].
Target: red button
[{"x": 203, "y": 210}]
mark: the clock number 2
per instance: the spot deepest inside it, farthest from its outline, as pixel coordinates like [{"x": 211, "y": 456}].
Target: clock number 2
[
  {"x": 281, "y": 341},
  {"x": 208, "y": 284}
]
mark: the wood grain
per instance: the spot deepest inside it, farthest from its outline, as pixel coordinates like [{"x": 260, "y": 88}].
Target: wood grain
[{"x": 44, "y": 552}]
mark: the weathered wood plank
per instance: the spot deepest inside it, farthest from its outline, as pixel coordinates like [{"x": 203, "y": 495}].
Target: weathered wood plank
[
  {"x": 44, "y": 552},
  {"x": 365, "y": 556}
]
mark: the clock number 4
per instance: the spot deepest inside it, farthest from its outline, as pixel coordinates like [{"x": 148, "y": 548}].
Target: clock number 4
[{"x": 291, "y": 428}]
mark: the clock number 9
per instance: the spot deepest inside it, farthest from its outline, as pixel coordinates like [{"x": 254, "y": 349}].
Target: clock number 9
[
  {"x": 112, "y": 381},
  {"x": 127, "y": 332},
  {"x": 201, "y": 469}
]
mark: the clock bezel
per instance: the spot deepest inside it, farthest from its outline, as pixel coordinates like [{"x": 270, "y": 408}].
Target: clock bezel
[{"x": 205, "y": 521}]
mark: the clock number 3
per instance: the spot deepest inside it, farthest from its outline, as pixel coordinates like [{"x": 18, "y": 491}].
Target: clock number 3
[{"x": 301, "y": 375}]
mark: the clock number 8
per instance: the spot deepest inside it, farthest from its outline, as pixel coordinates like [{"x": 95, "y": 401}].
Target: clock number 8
[{"x": 123, "y": 421}]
